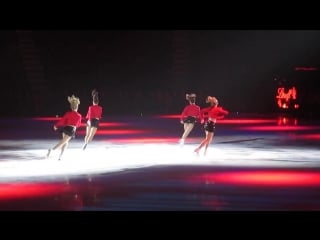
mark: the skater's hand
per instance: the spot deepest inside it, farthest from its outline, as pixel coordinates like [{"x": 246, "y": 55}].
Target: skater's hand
[
  {"x": 181, "y": 122},
  {"x": 55, "y": 128}
]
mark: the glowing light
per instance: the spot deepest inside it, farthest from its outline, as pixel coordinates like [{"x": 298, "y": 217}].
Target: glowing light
[
  {"x": 25, "y": 190},
  {"x": 107, "y": 124},
  {"x": 169, "y": 116},
  {"x": 284, "y": 97},
  {"x": 46, "y": 118},
  {"x": 146, "y": 140},
  {"x": 279, "y": 128},
  {"x": 111, "y": 124},
  {"x": 228, "y": 121},
  {"x": 101, "y": 124},
  {"x": 308, "y": 136},
  {"x": 306, "y": 69},
  {"x": 113, "y": 131},
  {"x": 245, "y": 121},
  {"x": 287, "y": 121},
  {"x": 266, "y": 178},
  {"x": 109, "y": 156}
]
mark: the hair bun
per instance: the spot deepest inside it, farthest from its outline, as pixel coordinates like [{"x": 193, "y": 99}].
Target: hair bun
[
  {"x": 94, "y": 92},
  {"x": 189, "y": 96}
]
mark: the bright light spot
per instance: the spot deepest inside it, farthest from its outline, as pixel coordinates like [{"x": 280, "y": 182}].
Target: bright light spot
[{"x": 102, "y": 157}]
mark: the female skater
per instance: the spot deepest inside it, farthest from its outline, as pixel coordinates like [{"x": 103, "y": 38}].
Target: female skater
[
  {"x": 209, "y": 117},
  {"x": 189, "y": 116},
  {"x": 68, "y": 125},
  {"x": 93, "y": 116}
]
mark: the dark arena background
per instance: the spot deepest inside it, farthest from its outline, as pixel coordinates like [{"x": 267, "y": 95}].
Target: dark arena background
[{"x": 264, "y": 155}]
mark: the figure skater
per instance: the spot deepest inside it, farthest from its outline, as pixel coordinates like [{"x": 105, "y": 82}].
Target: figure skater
[
  {"x": 93, "y": 118},
  {"x": 209, "y": 117},
  {"x": 67, "y": 125},
  {"x": 189, "y": 116}
]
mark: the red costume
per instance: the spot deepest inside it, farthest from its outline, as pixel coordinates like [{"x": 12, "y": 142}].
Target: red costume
[
  {"x": 71, "y": 118},
  {"x": 217, "y": 113},
  {"x": 191, "y": 110},
  {"x": 94, "y": 111}
]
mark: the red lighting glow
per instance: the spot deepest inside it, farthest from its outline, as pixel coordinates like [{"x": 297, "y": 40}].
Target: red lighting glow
[
  {"x": 266, "y": 178},
  {"x": 101, "y": 124},
  {"x": 279, "y": 128},
  {"x": 169, "y": 116},
  {"x": 308, "y": 136},
  {"x": 287, "y": 121},
  {"x": 47, "y": 118},
  {"x": 111, "y": 124},
  {"x": 228, "y": 121},
  {"x": 306, "y": 69},
  {"x": 26, "y": 190},
  {"x": 114, "y": 131},
  {"x": 146, "y": 140},
  {"x": 245, "y": 121},
  {"x": 106, "y": 124},
  {"x": 284, "y": 97}
]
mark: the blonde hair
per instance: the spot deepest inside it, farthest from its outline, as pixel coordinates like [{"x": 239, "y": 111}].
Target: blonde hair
[
  {"x": 74, "y": 102},
  {"x": 212, "y": 100}
]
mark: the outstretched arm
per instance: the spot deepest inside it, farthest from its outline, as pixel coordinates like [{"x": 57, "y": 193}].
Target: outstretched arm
[
  {"x": 218, "y": 113},
  {"x": 61, "y": 122}
]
